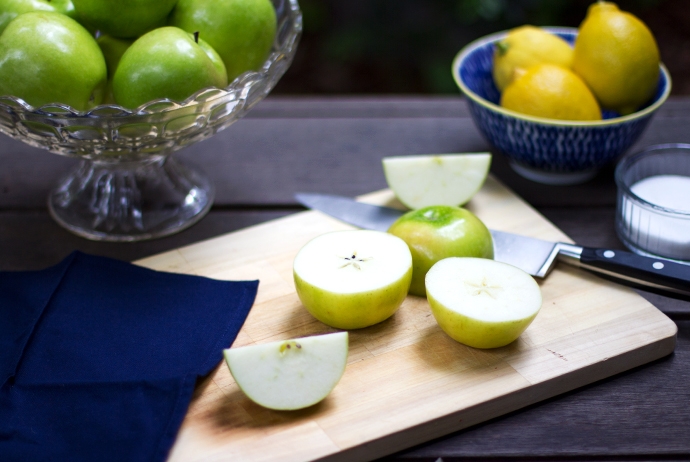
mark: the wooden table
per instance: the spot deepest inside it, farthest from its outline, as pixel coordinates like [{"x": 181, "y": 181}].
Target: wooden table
[{"x": 335, "y": 145}]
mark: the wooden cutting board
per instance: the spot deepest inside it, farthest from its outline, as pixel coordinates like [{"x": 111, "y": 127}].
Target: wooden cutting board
[{"x": 406, "y": 381}]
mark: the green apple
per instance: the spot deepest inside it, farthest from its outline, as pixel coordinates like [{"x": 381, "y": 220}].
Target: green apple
[
  {"x": 482, "y": 303},
  {"x": 113, "y": 48},
  {"x": 290, "y": 374},
  {"x": 445, "y": 179},
  {"x": 10, "y": 9},
  {"x": 165, "y": 63},
  {"x": 47, "y": 57},
  {"x": 241, "y": 31},
  {"x": 214, "y": 57},
  {"x": 353, "y": 279},
  {"x": 123, "y": 18},
  {"x": 437, "y": 232}
]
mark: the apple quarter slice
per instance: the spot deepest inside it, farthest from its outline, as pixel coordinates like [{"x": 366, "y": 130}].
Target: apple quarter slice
[
  {"x": 444, "y": 179},
  {"x": 290, "y": 374},
  {"x": 482, "y": 303},
  {"x": 353, "y": 279}
]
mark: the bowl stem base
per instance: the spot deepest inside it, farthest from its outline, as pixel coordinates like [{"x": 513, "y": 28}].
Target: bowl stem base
[{"x": 130, "y": 201}]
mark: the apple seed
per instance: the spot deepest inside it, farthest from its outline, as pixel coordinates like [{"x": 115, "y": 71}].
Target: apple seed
[{"x": 288, "y": 345}]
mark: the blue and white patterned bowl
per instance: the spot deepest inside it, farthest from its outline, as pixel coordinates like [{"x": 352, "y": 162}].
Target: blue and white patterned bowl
[{"x": 547, "y": 150}]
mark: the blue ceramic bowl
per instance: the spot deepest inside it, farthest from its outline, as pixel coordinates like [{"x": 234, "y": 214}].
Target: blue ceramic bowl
[{"x": 547, "y": 150}]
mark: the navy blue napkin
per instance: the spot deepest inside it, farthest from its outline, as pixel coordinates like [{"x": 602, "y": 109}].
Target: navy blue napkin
[{"x": 99, "y": 358}]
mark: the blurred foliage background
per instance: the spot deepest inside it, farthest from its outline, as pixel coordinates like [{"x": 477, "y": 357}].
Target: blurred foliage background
[{"x": 407, "y": 46}]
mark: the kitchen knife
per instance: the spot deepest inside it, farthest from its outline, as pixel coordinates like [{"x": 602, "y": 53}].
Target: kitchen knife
[{"x": 535, "y": 256}]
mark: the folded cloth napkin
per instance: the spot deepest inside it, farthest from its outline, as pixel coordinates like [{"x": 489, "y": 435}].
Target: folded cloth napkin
[{"x": 99, "y": 358}]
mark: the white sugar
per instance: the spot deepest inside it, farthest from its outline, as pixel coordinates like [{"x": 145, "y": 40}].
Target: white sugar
[
  {"x": 667, "y": 191},
  {"x": 659, "y": 232}
]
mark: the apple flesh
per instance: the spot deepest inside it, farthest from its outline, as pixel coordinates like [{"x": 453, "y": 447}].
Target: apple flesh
[
  {"x": 241, "y": 31},
  {"x": 165, "y": 63},
  {"x": 482, "y": 303},
  {"x": 47, "y": 57},
  {"x": 447, "y": 179},
  {"x": 437, "y": 232},
  {"x": 353, "y": 279},
  {"x": 290, "y": 374}
]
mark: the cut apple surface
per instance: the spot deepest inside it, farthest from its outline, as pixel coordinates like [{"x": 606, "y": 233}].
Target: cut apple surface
[
  {"x": 444, "y": 179},
  {"x": 290, "y": 374},
  {"x": 482, "y": 303},
  {"x": 353, "y": 279}
]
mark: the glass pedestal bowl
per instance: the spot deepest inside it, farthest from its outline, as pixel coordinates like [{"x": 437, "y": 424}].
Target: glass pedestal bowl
[{"x": 128, "y": 187}]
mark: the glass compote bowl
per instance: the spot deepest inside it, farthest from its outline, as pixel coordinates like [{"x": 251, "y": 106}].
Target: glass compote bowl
[{"x": 128, "y": 187}]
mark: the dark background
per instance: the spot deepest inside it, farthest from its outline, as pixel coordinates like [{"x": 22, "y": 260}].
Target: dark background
[{"x": 407, "y": 46}]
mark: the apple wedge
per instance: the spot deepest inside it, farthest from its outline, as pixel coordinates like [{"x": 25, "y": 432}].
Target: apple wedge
[
  {"x": 290, "y": 374},
  {"x": 482, "y": 303},
  {"x": 353, "y": 279},
  {"x": 446, "y": 179}
]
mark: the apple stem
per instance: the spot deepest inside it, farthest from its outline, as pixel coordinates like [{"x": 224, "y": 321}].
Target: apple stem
[{"x": 196, "y": 36}]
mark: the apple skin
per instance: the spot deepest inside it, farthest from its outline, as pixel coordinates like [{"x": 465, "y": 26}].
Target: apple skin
[
  {"x": 476, "y": 333},
  {"x": 113, "y": 48},
  {"x": 241, "y": 31},
  {"x": 216, "y": 60},
  {"x": 123, "y": 18},
  {"x": 48, "y": 57},
  {"x": 164, "y": 63},
  {"x": 353, "y": 311},
  {"x": 10, "y": 9},
  {"x": 437, "y": 232}
]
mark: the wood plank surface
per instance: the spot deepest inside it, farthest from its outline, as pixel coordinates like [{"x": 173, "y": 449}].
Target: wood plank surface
[
  {"x": 642, "y": 414},
  {"x": 331, "y": 144},
  {"x": 406, "y": 381}
]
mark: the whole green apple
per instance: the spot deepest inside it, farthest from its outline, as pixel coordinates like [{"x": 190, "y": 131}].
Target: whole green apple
[
  {"x": 241, "y": 31},
  {"x": 48, "y": 57},
  {"x": 123, "y": 18},
  {"x": 10, "y": 9},
  {"x": 113, "y": 48},
  {"x": 165, "y": 63},
  {"x": 437, "y": 232}
]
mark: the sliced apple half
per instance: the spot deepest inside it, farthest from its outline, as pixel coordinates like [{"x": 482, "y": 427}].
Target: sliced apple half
[
  {"x": 290, "y": 374},
  {"x": 445, "y": 179},
  {"x": 353, "y": 279},
  {"x": 482, "y": 303}
]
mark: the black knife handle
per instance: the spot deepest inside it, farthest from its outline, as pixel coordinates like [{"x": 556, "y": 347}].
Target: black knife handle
[{"x": 657, "y": 273}]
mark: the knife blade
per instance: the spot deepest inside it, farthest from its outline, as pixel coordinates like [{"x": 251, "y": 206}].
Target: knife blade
[{"x": 535, "y": 256}]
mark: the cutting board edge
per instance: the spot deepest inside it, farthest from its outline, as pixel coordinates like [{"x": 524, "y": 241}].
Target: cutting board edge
[{"x": 505, "y": 404}]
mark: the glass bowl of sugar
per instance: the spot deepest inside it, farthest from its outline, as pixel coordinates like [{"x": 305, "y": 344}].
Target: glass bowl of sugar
[{"x": 653, "y": 212}]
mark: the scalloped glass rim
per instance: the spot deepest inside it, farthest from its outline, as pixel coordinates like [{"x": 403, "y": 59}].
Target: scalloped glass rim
[{"x": 289, "y": 38}]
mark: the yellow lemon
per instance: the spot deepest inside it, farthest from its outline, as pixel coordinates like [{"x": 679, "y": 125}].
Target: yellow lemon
[
  {"x": 553, "y": 92},
  {"x": 524, "y": 47},
  {"x": 617, "y": 56}
]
